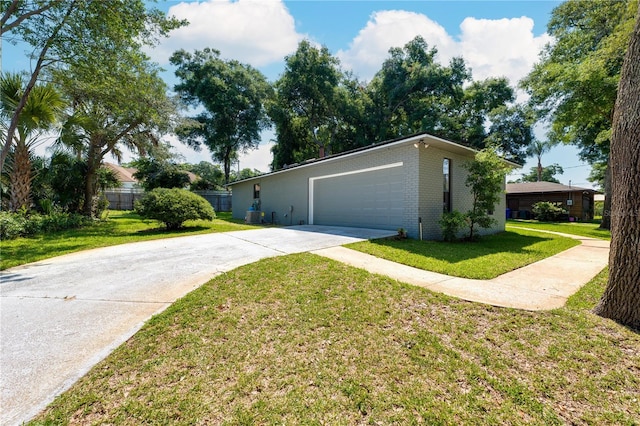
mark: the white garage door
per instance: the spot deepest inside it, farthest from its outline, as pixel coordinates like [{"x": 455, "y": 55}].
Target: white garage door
[{"x": 368, "y": 198}]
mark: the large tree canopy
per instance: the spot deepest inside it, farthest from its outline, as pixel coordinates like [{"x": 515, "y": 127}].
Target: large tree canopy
[
  {"x": 232, "y": 95},
  {"x": 124, "y": 107},
  {"x": 82, "y": 33},
  {"x": 319, "y": 106}
]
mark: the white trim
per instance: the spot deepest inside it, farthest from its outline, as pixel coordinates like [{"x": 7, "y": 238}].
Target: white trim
[{"x": 352, "y": 172}]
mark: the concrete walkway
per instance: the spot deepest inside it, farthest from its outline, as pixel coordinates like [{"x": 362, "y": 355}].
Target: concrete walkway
[{"x": 543, "y": 285}]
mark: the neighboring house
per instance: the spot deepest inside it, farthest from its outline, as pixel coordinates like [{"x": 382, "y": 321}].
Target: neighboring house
[
  {"x": 389, "y": 185},
  {"x": 522, "y": 196},
  {"x": 124, "y": 175}
]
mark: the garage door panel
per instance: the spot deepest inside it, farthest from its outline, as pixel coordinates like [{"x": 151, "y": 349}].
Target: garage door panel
[{"x": 373, "y": 199}]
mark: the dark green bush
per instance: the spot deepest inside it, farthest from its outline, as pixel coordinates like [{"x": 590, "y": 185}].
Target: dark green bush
[
  {"x": 451, "y": 224},
  {"x": 174, "y": 206},
  {"x": 547, "y": 212}
]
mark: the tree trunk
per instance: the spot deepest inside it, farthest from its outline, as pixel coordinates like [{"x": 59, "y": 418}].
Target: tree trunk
[
  {"x": 539, "y": 169},
  {"x": 621, "y": 299},
  {"x": 20, "y": 177},
  {"x": 90, "y": 183},
  {"x": 606, "y": 212}
]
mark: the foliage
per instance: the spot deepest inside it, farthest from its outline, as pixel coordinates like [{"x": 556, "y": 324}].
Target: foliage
[
  {"x": 485, "y": 179},
  {"x": 88, "y": 35},
  {"x": 232, "y": 95},
  {"x": 14, "y": 225},
  {"x": 245, "y": 174},
  {"x": 173, "y": 207},
  {"x": 40, "y": 113},
  {"x": 451, "y": 224},
  {"x": 546, "y": 211},
  {"x": 545, "y": 174},
  {"x": 211, "y": 176},
  {"x": 154, "y": 173},
  {"x": 129, "y": 108}
]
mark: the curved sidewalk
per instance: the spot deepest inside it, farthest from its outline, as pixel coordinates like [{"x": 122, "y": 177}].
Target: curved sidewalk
[{"x": 543, "y": 285}]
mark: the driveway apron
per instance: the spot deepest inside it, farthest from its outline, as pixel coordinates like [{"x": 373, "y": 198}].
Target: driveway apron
[{"x": 61, "y": 316}]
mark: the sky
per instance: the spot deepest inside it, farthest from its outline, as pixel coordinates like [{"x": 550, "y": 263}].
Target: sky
[{"x": 496, "y": 38}]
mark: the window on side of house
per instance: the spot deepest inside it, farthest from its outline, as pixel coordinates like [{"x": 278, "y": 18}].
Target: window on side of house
[
  {"x": 256, "y": 190},
  {"x": 446, "y": 190}
]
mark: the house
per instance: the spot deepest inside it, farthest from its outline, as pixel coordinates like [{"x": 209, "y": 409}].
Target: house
[
  {"x": 124, "y": 175},
  {"x": 403, "y": 183},
  {"x": 577, "y": 201}
]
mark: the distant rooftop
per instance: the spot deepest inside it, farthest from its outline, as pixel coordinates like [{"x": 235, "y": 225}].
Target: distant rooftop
[{"x": 537, "y": 187}]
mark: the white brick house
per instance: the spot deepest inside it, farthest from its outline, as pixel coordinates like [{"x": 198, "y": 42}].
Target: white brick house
[{"x": 389, "y": 185}]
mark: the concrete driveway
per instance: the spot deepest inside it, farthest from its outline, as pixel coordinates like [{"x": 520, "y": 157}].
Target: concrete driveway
[{"x": 61, "y": 316}]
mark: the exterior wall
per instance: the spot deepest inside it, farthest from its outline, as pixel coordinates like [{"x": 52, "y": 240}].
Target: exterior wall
[
  {"x": 279, "y": 192},
  {"x": 431, "y": 192},
  {"x": 582, "y": 207}
]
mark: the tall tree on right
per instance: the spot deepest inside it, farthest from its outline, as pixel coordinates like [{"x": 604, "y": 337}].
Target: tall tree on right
[{"x": 621, "y": 299}]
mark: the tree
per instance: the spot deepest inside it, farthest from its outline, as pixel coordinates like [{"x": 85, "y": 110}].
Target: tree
[
  {"x": 124, "y": 108},
  {"x": 82, "y": 33},
  {"x": 309, "y": 106},
  {"x": 546, "y": 174},
  {"x": 211, "y": 176},
  {"x": 485, "y": 179},
  {"x": 574, "y": 85},
  {"x": 153, "y": 173},
  {"x": 621, "y": 298},
  {"x": 41, "y": 111},
  {"x": 232, "y": 95},
  {"x": 537, "y": 148}
]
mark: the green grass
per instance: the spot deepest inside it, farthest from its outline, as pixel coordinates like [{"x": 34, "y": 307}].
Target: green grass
[
  {"x": 487, "y": 258},
  {"x": 120, "y": 227},
  {"x": 305, "y": 340},
  {"x": 576, "y": 228}
]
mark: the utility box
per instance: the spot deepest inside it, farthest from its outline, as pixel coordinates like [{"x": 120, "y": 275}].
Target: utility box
[{"x": 253, "y": 217}]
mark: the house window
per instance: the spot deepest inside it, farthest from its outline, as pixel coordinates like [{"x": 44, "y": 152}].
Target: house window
[
  {"x": 256, "y": 190},
  {"x": 446, "y": 190}
]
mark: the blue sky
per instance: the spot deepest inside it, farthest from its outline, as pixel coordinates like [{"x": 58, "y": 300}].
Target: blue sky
[{"x": 496, "y": 38}]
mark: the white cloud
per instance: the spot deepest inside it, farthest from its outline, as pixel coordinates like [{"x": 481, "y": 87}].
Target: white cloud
[
  {"x": 500, "y": 47},
  {"x": 492, "y": 48},
  {"x": 257, "y": 32},
  {"x": 392, "y": 28}
]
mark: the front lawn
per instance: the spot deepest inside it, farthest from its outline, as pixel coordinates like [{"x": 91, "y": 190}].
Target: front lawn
[
  {"x": 302, "y": 339},
  {"x": 491, "y": 256},
  {"x": 584, "y": 229},
  {"x": 120, "y": 227}
]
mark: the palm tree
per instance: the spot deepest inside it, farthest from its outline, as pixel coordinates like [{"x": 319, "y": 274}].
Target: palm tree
[
  {"x": 537, "y": 148},
  {"x": 39, "y": 115}
]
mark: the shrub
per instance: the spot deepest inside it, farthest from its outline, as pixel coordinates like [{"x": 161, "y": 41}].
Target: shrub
[
  {"x": 451, "y": 224},
  {"x": 12, "y": 225},
  {"x": 547, "y": 212},
  {"x": 174, "y": 206}
]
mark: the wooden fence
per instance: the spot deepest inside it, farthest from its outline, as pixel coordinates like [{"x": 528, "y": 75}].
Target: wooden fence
[{"x": 124, "y": 199}]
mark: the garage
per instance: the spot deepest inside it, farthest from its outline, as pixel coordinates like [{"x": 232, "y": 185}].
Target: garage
[{"x": 371, "y": 198}]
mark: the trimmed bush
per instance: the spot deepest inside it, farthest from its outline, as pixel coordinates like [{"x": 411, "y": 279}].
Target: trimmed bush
[
  {"x": 12, "y": 225},
  {"x": 173, "y": 207},
  {"x": 547, "y": 212},
  {"x": 451, "y": 224}
]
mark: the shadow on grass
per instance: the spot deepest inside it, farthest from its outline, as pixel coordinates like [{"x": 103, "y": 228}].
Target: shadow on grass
[
  {"x": 172, "y": 232},
  {"x": 455, "y": 252}
]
